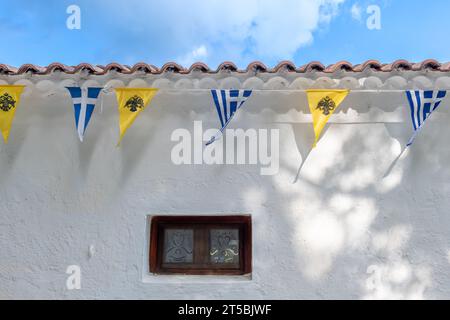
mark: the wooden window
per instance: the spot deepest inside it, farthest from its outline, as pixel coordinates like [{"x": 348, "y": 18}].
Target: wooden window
[{"x": 201, "y": 245}]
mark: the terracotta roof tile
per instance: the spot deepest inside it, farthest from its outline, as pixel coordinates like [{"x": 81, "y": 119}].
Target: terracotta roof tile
[
  {"x": 284, "y": 66},
  {"x": 312, "y": 66},
  {"x": 144, "y": 67},
  {"x": 172, "y": 67},
  {"x": 227, "y": 66},
  {"x": 445, "y": 67},
  {"x": 429, "y": 64},
  {"x": 4, "y": 68},
  {"x": 369, "y": 64},
  {"x": 31, "y": 68},
  {"x": 199, "y": 66},
  {"x": 90, "y": 68},
  {"x": 257, "y": 66},
  {"x": 342, "y": 65},
  {"x": 116, "y": 67},
  {"x": 397, "y": 65}
]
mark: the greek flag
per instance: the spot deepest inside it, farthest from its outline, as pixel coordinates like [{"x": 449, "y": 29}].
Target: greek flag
[
  {"x": 422, "y": 104},
  {"x": 84, "y": 100},
  {"x": 227, "y": 103}
]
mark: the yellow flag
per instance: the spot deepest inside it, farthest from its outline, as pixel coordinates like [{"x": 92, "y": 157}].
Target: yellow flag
[
  {"x": 131, "y": 102},
  {"x": 322, "y": 104},
  {"x": 9, "y": 100}
]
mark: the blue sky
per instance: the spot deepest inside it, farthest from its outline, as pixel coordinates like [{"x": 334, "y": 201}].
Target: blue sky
[{"x": 213, "y": 31}]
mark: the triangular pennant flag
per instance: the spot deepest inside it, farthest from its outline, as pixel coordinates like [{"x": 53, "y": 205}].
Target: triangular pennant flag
[
  {"x": 9, "y": 100},
  {"x": 322, "y": 104},
  {"x": 131, "y": 102},
  {"x": 227, "y": 102},
  {"x": 84, "y": 100},
  {"x": 422, "y": 104}
]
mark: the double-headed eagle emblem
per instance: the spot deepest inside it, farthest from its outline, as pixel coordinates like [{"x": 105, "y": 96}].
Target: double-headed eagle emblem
[
  {"x": 134, "y": 103},
  {"x": 326, "y": 105},
  {"x": 7, "y": 102}
]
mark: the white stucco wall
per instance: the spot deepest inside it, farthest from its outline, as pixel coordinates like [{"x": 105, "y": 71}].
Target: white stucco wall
[{"x": 350, "y": 227}]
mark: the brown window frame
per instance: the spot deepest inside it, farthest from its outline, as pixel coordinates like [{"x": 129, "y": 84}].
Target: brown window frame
[{"x": 201, "y": 226}]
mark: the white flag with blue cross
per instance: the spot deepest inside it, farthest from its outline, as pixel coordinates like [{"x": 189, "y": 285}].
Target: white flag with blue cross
[
  {"x": 84, "y": 101},
  {"x": 227, "y": 102},
  {"x": 422, "y": 104}
]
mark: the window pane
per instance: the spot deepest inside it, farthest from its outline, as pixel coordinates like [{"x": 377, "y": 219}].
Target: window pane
[
  {"x": 178, "y": 245},
  {"x": 224, "y": 246}
]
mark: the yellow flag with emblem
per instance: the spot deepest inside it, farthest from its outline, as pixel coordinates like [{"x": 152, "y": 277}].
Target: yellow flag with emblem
[
  {"x": 132, "y": 101},
  {"x": 9, "y": 100},
  {"x": 322, "y": 104}
]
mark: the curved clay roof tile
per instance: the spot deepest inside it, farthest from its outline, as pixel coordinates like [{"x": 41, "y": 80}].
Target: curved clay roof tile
[
  {"x": 87, "y": 66},
  {"x": 172, "y": 67},
  {"x": 256, "y": 66},
  {"x": 284, "y": 65},
  {"x": 312, "y": 66},
  {"x": 369, "y": 64},
  {"x": 117, "y": 67},
  {"x": 445, "y": 67},
  {"x": 30, "y": 68},
  {"x": 227, "y": 66},
  {"x": 142, "y": 66},
  {"x": 429, "y": 64},
  {"x": 341, "y": 65},
  {"x": 4, "y": 68},
  {"x": 199, "y": 66},
  {"x": 397, "y": 65},
  {"x": 56, "y": 66}
]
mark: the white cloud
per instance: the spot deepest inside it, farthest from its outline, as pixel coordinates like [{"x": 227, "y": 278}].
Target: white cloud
[
  {"x": 198, "y": 54},
  {"x": 356, "y": 12},
  {"x": 236, "y": 30}
]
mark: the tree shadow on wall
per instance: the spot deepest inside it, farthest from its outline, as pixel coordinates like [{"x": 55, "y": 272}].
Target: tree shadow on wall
[
  {"x": 346, "y": 210},
  {"x": 344, "y": 230}
]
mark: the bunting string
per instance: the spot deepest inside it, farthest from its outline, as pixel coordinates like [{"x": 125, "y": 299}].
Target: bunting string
[
  {"x": 132, "y": 101},
  {"x": 166, "y": 90}
]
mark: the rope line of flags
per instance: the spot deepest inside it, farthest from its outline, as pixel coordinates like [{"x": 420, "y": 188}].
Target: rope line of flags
[{"x": 132, "y": 101}]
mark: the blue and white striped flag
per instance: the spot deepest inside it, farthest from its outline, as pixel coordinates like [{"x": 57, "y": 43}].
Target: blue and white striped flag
[
  {"x": 227, "y": 103},
  {"x": 84, "y": 100},
  {"x": 422, "y": 104}
]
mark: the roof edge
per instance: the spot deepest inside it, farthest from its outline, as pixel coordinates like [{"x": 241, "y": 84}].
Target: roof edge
[{"x": 230, "y": 67}]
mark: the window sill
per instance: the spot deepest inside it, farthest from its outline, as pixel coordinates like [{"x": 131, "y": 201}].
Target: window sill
[{"x": 188, "y": 279}]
